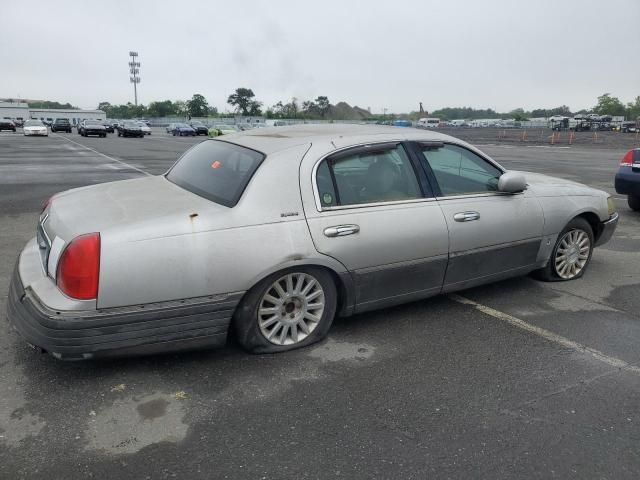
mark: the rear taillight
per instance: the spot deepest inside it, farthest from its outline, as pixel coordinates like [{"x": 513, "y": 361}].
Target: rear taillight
[
  {"x": 79, "y": 267},
  {"x": 627, "y": 160}
]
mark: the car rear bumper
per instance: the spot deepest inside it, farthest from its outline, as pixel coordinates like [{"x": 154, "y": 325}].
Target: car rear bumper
[
  {"x": 606, "y": 230},
  {"x": 627, "y": 182},
  {"x": 125, "y": 331}
]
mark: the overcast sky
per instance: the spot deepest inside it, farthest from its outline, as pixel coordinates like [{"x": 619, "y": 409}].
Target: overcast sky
[{"x": 387, "y": 53}]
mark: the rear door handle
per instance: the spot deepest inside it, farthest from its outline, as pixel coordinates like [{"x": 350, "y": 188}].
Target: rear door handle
[
  {"x": 341, "y": 230},
  {"x": 466, "y": 216}
]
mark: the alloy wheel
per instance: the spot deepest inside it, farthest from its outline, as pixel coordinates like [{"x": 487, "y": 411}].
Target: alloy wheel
[
  {"x": 291, "y": 309},
  {"x": 572, "y": 254}
]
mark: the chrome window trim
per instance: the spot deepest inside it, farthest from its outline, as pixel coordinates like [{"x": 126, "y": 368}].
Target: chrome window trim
[
  {"x": 473, "y": 195},
  {"x": 378, "y": 204},
  {"x": 314, "y": 183}
]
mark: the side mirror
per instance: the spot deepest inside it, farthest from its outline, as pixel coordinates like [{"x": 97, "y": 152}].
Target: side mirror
[{"x": 512, "y": 182}]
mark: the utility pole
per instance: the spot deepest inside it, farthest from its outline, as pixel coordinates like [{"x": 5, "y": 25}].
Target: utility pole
[{"x": 134, "y": 69}]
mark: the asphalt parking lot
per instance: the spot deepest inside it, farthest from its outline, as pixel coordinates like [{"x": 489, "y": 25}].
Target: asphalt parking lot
[{"x": 516, "y": 379}]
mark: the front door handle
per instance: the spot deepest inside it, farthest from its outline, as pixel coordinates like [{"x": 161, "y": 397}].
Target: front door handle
[
  {"x": 466, "y": 216},
  {"x": 341, "y": 230}
]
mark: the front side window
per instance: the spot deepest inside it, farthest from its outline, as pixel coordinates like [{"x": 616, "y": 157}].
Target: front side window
[
  {"x": 376, "y": 176},
  {"x": 216, "y": 170},
  {"x": 459, "y": 171}
]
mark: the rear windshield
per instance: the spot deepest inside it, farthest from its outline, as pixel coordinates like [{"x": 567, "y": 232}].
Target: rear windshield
[{"x": 216, "y": 170}]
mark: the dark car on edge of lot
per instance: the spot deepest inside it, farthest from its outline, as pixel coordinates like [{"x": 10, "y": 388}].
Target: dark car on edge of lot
[
  {"x": 130, "y": 129},
  {"x": 182, "y": 129},
  {"x": 7, "y": 124},
  {"x": 61, "y": 125},
  {"x": 108, "y": 126},
  {"x": 200, "y": 128},
  {"x": 627, "y": 179},
  {"x": 92, "y": 127}
]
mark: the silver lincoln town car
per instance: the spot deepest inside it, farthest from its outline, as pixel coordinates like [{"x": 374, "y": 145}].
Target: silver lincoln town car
[{"x": 275, "y": 231}]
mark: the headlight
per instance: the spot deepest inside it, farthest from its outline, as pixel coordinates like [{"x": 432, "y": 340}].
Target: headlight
[{"x": 611, "y": 205}]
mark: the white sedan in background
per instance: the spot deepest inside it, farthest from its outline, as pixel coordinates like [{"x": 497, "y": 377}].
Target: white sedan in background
[
  {"x": 35, "y": 127},
  {"x": 144, "y": 127}
]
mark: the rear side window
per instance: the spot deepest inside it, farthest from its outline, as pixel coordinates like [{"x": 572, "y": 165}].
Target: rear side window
[
  {"x": 378, "y": 176},
  {"x": 216, "y": 170}
]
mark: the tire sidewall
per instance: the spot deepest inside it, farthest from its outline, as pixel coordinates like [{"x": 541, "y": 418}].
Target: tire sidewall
[
  {"x": 245, "y": 320},
  {"x": 575, "y": 224}
]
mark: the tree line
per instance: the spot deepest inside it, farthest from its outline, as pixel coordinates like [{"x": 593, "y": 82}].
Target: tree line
[
  {"x": 606, "y": 105},
  {"x": 243, "y": 102}
]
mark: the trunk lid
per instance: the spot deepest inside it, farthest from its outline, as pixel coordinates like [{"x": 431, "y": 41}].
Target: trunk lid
[{"x": 153, "y": 203}]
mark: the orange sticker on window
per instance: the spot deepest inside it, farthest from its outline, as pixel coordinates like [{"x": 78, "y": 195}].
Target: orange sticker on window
[{"x": 216, "y": 164}]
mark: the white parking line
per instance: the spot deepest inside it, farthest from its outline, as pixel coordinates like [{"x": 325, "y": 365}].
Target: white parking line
[
  {"x": 546, "y": 334},
  {"x": 105, "y": 156}
]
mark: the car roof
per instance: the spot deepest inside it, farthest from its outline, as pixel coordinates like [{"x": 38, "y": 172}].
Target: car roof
[{"x": 274, "y": 139}]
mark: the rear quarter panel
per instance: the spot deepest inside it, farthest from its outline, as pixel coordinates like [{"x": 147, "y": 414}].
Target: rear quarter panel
[{"x": 220, "y": 253}]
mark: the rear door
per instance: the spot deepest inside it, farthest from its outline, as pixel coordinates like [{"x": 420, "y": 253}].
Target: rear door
[
  {"x": 372, "y": 212},
  {"x": 492, "y": 234}
]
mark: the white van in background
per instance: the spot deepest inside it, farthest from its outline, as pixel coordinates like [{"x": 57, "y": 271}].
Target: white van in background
[{"x": 428, "y": 123}]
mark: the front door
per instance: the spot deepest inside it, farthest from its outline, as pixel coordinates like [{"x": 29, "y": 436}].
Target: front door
[
  {"x": 492, "y": 235},
  {"x": 374, "y": 216}
]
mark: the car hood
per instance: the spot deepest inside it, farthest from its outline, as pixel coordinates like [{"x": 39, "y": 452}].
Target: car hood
[
  {"x": 129, "y": 209},
  {"x": 545, "y": 185}
]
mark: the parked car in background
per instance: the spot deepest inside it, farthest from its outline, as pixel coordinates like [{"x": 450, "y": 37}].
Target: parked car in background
[
  {"x": 227, "y": 129},
  {"x": 182, "y": 129},
  {"x": 108, "y": 126},
  {"x": 146, "y": 129},
  {"x": 428, "y": 123},
  {"x": 627, "y": 180},
  {"x": 271, "y": 236},
  {"x": 7, "y": 124},
  {"x": 213, "y": 132},
  {"x": 169, "y": 128},
  {"x": 35, "y": 127},
  {"x": 199, "y": 127},
  {"x": 629, "y": 127},
  {"x": 129, "y": 128},
  {"x": 401, "y": 123},
  {"x": 61, "y": 125},
  {"x": 92, "y": 127}
]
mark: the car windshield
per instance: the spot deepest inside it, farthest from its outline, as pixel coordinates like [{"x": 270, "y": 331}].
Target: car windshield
[
  {"x": 141, "y": 124},
  {"x": 33, "y": 123},
  {"x": 216, "y": 170},
  {"x": 130, "y": 124},
  {"x": 61, "y": 120},
  {"x": 92, "y": 122},
  {"x": 182, "y": 125}
]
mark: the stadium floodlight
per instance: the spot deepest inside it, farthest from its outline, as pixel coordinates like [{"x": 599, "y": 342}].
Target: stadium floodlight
[{"x": 134, "y": 70}]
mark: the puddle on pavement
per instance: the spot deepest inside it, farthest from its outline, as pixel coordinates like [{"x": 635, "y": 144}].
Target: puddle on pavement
[{"x": 131, "y": 424}]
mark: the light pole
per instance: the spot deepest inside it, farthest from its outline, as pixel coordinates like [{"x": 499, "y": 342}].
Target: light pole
[{"x": 134, "y": 69}]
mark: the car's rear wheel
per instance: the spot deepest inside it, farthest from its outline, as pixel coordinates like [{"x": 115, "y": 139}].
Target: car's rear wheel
[
  {"x": 571, "y": 254},
  {"x": 287, "y": 310},
  {"x": 634, "y": 202}
]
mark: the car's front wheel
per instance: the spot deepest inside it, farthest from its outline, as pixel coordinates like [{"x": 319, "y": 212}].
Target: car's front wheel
[
  {"x": 287, "y": 310},
  {"x": 571, "y": 254},
  {"x": 634, "y": 202}
]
